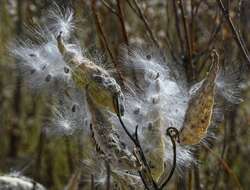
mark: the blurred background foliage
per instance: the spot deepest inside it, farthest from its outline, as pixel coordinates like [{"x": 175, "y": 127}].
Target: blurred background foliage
[{"x": 186, "y": 30}]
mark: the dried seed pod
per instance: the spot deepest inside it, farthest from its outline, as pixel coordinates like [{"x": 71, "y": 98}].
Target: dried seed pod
[
  {"x": 108, "y": 141},
  {"x": 100, "y": 85},
  {"x": 199, "y": 113}
]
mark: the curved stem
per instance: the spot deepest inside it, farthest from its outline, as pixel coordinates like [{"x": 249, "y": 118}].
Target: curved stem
[
  {"x": 172, "y": 137},
  {"x": 138, "y": 146}
]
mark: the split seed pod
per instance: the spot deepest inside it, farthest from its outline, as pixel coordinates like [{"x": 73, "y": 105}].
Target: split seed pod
[
  {"x": 108, "y": 141},
  {"x": 199, "y": 113},
  {"x": 87, "y": 75}
]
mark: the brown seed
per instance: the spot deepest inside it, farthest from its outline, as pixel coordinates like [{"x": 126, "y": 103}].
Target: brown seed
[
  {"x": 73, "y": 109},
  {"x": 148, "y": 57},
  {"x": 137, "y": 111},
  {"x": 32, "y": 55},
  {"x": 66, "y": 69},
  {"x": 32, "y": 71},
  {"x": 48, "y": 78}
]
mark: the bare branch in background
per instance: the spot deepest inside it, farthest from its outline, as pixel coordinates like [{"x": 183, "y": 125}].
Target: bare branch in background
[
  {"x": 104, "y": 38},
  {"x": 139, "y": 13},
  {"x": 122, "y": 22},
  {"x": 191, "y": 68},
  {"x": 225, "y": 166},
  {"x": 177, "y": 26},
  {"x": 92, "y": 182},
  {"x": 112, "y": 10},
  {"x": 120, "y": 16},
  {"x": 101, "y": 32},
  {"x": 108, "y": 176},
  {"x": 237, "y": 37}
]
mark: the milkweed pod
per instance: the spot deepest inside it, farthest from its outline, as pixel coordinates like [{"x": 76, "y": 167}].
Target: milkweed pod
[
  {"x": 199, "y": 113},
  {"x": 108, "y": 141},
  {"x": 107, "y": 94},
  {"x": 101, "y": 87}
]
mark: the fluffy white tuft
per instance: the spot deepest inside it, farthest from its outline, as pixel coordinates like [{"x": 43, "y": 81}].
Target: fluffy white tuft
[
  {"x": 228, "y": 85},
  {"x": 70, "y": 114},
  {"x": 154, "y": 89},
  {"x": 18, "y": 182},
  {"x": 60, "y": 20},
  {"x": 41, "y": 65}
]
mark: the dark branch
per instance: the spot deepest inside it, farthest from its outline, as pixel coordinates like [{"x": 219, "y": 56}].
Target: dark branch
[
  {"x": 141, "y": 156},
  {"x": 234, "y": 30},
  {"x": 173, "y": 133},
  {"x": 139, "y": 13},
  {"x": 108, "y": 176},
  {"x": 92, "y": 183},
  {"x": 109, "y": 7}
]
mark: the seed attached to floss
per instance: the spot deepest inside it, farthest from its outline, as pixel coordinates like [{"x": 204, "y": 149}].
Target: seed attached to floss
[
  {"x": 44, "y": 67},
  {"x": 157, "y": 76},
  {"x": 73, "y": 108},
  {"x": 66, "y": 70},
  {"x": 148, "y": 57},
  {"x": 137, "y": 111},
  {"x": 48, "y": 78},
  {"x": 32, "y": 71},
  {"x": 32, "y": 55}
]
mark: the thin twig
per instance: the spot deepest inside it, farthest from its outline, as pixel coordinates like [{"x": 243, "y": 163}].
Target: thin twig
[
  {"x": 172, "y": 138},
  {"x": 110, "y": 8},
  {"x": 190, "y": 179},
  {"x": 69, "y": 154},
  {"x": 225, "y": 166},
  {"x": 198, "y": 5},
  {"x": 134, "y": 9},
  {"x": 122, "y": 22},
  {"x": 104, "y": 39},
  {"x": 137, "y": 144},
  {"x": 108, "y": 176},
  {"x": 120, "y": 16},
  {"x": 224, "y": 147},
  {"x": 177, "y": 26},
  {"x": 187, "y": 38},
  {"x": 167, "y": 39},
  {"x": 143, "y": 157},
  {"x": 192, "y": 26},
  {"x": 39, "y": 155},
  {"x": 197, "y": 177},
  {"x": 99, "y": 28},
  {"x": 208, "y": 47},
  {"x": 92, "y": 182},
  {"x": 170, "y": 46},
  {"x": 139, "y": 13},
  {"x": 143, "y": 180},
  {"x": 235, "y": 31}
]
